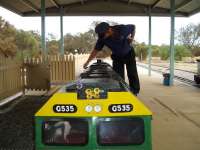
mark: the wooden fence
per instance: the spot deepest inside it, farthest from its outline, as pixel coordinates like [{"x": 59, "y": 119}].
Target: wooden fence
[
  {"x": 10, "y": 76},
  {"x": 34, "y": 73},
  {"x": 41, "y": 72},
  {"x": 62, "y": 69}
]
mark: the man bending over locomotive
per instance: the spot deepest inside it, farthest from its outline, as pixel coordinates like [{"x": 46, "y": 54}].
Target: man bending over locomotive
[{"x": 118, "y": 38}]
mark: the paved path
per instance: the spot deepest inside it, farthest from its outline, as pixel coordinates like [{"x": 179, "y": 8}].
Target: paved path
[{"x": 176, "y": 113}]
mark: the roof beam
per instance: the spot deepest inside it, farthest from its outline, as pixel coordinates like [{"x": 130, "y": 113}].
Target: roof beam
[
  {"x": 74, "y": 11},
  {"x": 185, "y": 2},
  {"x": 30, "y": 5},
  {"x": 155, "y": 3},
  {"x": 55, "y": 3}
]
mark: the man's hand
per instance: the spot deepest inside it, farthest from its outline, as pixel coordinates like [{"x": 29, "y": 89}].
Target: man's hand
[
  {"x": 85, "y": 65},
  {"x": 130, "y": 38},
  {"x": 92, "y": 55}
]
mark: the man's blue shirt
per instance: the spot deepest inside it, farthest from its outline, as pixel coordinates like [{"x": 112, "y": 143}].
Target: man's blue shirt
[{"x": 118, "y": 43}]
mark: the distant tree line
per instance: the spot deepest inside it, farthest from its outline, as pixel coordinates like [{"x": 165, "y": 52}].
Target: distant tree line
[
  {"x": 19, "y": 43},
  {"x": 161, "y": 51},
  {"x": 189, "y": 45}
]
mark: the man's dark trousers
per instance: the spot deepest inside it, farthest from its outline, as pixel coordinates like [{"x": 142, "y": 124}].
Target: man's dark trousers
[{"x": 129, "y": 60}]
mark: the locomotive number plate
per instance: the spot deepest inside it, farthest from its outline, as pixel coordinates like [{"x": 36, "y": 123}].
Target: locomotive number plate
[
  {"x": 115, "y": 108},
  {"x": 64, "y": 108}
]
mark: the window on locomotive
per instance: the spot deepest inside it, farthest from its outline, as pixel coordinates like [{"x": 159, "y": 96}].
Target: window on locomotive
[
  {"x": 120, "y": 131},
  {"x": 65, "y": 132}
]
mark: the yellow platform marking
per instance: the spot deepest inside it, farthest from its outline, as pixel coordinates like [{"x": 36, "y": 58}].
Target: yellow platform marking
[{"x": 113, "y": 98}]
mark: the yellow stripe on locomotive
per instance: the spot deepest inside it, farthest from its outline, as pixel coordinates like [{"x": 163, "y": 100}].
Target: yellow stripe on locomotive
[{"x": 120, "y": 100}]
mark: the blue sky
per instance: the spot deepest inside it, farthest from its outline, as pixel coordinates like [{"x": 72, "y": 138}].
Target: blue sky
[{"x": 75, "y": 25}]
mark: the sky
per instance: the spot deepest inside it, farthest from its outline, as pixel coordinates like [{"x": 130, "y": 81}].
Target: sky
[{"x": 75, "y": 25}]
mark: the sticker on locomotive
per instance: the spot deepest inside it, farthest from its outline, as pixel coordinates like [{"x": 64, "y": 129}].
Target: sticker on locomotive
[
  {"x": 114, "y": 108},
  {"x": 64, "y": 108},
  {"x": 92, "y": 93}
]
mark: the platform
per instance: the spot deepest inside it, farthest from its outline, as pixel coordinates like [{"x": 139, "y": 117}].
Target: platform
[{"x": 176, "y": 112}]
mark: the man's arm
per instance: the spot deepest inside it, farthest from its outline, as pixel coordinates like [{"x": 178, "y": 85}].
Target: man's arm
[
  {"x": 99, "y": 45},
  {"x": 132, "y": 33},
  {"x": 92, "y": 55}
]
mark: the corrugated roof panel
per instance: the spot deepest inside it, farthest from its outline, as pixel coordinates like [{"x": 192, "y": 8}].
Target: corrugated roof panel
[
  {"x": 181, "y": 3},
  {"x": 195, "y": 4},
  {"x": 36, "y": 3},
  {"x": 164, "y": 4},
  {"x": 49, "y": 4},
  {"x": 101, "y": 7},
  {"x": 18, "y": 5}
]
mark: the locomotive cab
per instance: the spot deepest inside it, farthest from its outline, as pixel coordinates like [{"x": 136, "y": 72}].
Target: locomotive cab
[{"x": 95, "y": 112}]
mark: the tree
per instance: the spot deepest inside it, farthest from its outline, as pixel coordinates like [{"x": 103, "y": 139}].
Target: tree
[
  {"x": 155, "y": 51},
  {"x": 141, "y": 51},
  {"x": 164, "y": 52},
  {"x": 189, "y": 36},
  {"x": 181, "y": 51},
  {"x": 27, "y": 44},
  {"x": 53, "y": 47},
  {"x": 69, "y": 43},
  {"x": 82, "y": 42},
  {"x": 7, "y": 39},
  {"x": 8, "y": 47},
  {"x": 15, "y": 42}
]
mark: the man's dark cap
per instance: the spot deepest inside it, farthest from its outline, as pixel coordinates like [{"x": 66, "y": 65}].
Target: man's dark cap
[{"x": 101, "y": 28}]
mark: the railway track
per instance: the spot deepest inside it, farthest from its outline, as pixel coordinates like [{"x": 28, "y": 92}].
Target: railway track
[{"x": 179, "y": 74}]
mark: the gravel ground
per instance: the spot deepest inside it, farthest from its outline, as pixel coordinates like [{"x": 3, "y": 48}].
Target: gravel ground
[{"x": 16, "y": 124}]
